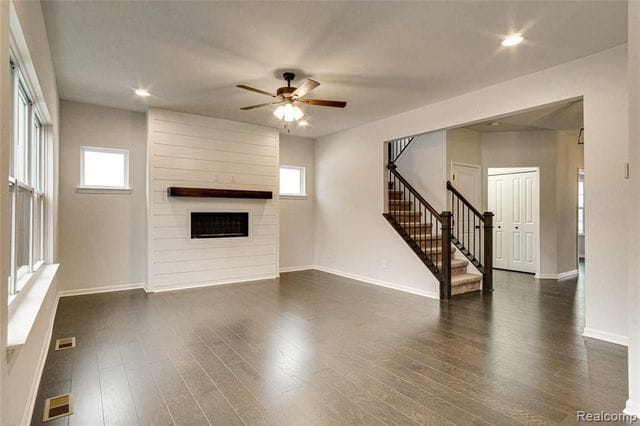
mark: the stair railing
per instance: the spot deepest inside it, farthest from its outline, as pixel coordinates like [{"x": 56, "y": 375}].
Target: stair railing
[
  {"x": 398, "y": 147},
  {"x": 426, "y": 231},
  {"x": 472, "y": 233}
]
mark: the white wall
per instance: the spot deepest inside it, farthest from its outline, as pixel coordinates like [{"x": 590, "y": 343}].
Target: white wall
[
  {"x": 20, "y": 370},
  {"x": 297, "y": 214},
  {"x": 102, "y": 234},
  {"x": 633, "y": 224},
  {"x": 194, "y": 151},
  {"x": 423, "y": 164},
  {"x": 350, "y": 166},
  {"x": 463, "y": 146}
]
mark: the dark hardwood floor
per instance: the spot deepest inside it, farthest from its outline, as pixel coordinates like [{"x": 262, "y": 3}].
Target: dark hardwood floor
[{"x": 315, "y": 348}]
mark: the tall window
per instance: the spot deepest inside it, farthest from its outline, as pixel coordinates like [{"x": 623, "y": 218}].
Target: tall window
[
  {"x": 581, "y": 203},
  {"x": 26, "y": 186}
]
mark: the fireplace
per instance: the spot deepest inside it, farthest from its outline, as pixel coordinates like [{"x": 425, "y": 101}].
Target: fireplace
[{"x": 219, "y": 225}]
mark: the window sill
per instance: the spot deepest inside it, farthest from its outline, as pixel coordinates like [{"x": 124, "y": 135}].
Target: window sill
[
  {"x": 102, "y": 190},
  {"x": 25, "y": 306},
  {"x": 293, "y": 197}
]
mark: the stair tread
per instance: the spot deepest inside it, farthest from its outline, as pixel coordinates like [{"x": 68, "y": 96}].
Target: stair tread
[{"x": 465, "y": 278}]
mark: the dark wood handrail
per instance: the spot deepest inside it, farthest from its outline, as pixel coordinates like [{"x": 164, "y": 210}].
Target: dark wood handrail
[
  {"x": 414, "y": 192},
  {"x": 451, "y": 188}
]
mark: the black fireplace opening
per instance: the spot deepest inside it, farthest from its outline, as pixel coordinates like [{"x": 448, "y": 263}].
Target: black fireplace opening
[{"x": 219, "y": 225}]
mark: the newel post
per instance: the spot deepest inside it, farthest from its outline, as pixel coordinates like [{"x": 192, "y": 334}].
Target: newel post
[
  {"x": 487, "y": 273},
  {"x": 445, "y": 282}
]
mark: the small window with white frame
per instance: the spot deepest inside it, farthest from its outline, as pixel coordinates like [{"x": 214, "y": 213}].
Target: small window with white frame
[
  {"x": 292, "y": 181},
  {"x": 104, "y": 168}
]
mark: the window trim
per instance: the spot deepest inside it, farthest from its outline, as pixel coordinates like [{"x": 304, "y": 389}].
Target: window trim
[
  {"x": 303, "y": 182},
  {"x": 99, "y": 188},
  {"x": 21, "y": 277}
]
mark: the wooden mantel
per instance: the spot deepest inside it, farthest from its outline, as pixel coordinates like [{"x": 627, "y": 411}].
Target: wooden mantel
[{"x": 176, "y": 191}]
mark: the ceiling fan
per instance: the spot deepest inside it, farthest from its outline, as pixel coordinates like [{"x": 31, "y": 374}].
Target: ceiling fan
[{"x": 287, "y": 97}]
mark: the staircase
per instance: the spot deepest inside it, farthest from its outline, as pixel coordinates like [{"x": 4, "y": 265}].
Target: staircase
[{"x": 428, "y": 232}]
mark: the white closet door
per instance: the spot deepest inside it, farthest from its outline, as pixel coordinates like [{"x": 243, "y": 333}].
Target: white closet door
[
  {"x": 513, "y": 198},
  {"x": 523, "y": 238},
  {"x": 496, "y": 192}
]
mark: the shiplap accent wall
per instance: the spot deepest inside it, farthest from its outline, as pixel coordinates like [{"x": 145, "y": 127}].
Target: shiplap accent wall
[{"x": 202, "y": 152}]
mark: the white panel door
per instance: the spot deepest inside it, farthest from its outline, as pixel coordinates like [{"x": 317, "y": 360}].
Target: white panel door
[
  {"x": 524, "y": 225},
  {"x": 496, "y": 201},
  {"x": 514, "y": 200},
  {"x": 466, "y": 179}
]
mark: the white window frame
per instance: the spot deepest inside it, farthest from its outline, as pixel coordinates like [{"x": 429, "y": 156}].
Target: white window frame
[
  {"x": 303, "y": 183},
  {"x": 33, "y": 183},
  {"x": 125, "y": 152}
]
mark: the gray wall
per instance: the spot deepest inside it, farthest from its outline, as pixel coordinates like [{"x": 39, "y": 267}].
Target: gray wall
[
  {"x": 102, "y": 235},
  {"x": 297, "y": 214}
]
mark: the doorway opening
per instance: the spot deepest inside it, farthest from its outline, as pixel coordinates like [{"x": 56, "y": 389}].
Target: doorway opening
[{"x": 524, "y": 167}]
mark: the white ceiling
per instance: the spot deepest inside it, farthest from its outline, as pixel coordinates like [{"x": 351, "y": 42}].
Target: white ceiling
[
  {"x": 384, "y": 58},
  {"x": 559, "y": 116}
]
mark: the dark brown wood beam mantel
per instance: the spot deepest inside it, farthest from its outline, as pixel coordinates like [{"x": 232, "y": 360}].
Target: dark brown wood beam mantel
[{"x": 175, "y": 191}]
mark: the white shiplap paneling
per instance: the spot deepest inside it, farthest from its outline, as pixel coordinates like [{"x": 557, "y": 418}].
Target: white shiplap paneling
[{"x": 203, "y": 152}]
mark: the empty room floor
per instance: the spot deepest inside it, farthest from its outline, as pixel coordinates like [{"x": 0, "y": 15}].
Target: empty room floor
[{"x": 316, "y": 348}]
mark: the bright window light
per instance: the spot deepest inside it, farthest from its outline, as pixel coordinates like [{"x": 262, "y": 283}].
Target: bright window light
[
  {"x": 292, "y": 181},
  {"x": 104, "y": 168}
]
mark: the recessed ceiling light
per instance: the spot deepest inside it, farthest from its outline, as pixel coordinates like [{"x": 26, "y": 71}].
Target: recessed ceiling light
[
  {"x": 512, "y": 40},
  {"x": 494, "y": 123},
  {"x": 142, "y": 92},
  {"x": 303, "y": 123}
]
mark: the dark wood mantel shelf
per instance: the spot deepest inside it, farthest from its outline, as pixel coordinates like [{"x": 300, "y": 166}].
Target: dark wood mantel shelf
[{"x": 175, "y": 191}]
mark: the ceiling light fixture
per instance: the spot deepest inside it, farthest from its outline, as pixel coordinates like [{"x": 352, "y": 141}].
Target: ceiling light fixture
[
  {"x": 512, "y": 40},
  {"x": 142, "y": 92},
  {"x": 288, "y": 112}
]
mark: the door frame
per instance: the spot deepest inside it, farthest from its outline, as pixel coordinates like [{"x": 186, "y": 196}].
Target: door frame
[{"x": 491, "y": 171}]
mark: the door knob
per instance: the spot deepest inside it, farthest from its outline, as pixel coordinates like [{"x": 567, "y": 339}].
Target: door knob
[
  {"x": 517, "y": 227},
  {"x": 499, "y": 227}
]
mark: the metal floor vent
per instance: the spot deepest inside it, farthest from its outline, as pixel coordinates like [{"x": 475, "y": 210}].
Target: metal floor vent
[
  {"x": 66, "y": 343},
  {"x": 57, "y": 406}
]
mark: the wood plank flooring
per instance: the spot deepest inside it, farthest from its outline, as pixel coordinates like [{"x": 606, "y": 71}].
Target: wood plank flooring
[{"x": 315, "y": 348}]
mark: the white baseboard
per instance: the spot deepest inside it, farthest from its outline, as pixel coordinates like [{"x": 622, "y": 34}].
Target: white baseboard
[
  {"x": 632, "y": 408},
  {"x": 368, "y": 280},
  {"x": 42, "y": 360},
  {"x": 296, "y": 268},
  {"x": 222, "y": 282},
  {"x": 560, "y": 276},
  {"x": 606, "y": 336},
  {"x": 102, "y": 289}
]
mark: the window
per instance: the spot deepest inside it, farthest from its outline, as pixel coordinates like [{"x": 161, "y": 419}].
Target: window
[
  {"x": 27, "y": 172},
  {"x": 292, "y": 181},
  {"x": 581, "y": 203},
  {"x": 104, "y": 168}
]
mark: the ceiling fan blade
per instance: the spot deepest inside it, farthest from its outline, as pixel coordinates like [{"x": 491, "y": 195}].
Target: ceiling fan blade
[
  {"x": 247, "y": 108},
  {"x": 253, "y": 89},
  {"x": 305, "y": 88},
  {"x": 322, "y": 102}
]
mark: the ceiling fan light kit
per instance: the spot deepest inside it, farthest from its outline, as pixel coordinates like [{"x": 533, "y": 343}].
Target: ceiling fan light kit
[
  {"x": 288, "y": 112},
  {"x": 287, "y": 97}
]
